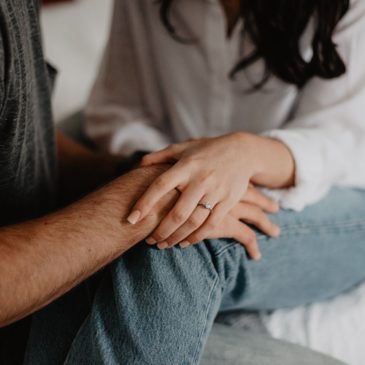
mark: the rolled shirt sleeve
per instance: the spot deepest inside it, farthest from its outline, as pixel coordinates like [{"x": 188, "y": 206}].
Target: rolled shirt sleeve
[{"x": 327, "y": 132}]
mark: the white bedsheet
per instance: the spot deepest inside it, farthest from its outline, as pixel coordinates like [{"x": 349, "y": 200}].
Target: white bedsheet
[
  {"x": 335, "y": 327},
  {"x": 74, "y": 37}
]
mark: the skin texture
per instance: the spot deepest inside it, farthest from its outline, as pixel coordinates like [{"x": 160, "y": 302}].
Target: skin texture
[
  {"x": 251, "y": 210},
  {"x": 208, "y": 170},
  {"x": 48, "y": 256}
]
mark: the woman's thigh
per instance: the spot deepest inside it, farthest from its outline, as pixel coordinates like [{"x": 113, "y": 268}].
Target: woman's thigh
[{"x": 320, "y": 253}]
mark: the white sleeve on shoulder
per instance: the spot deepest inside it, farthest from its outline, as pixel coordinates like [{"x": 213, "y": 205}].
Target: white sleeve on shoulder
[
  {"x": 118, "y": 115},
  {"x": 327, "y": 133}
]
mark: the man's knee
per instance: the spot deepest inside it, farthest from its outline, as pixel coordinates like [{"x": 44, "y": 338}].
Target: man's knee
[{"x": 149, "y": 266}]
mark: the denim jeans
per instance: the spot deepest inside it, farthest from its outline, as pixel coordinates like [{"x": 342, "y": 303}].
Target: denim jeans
[{"x": 158, "y": 307}]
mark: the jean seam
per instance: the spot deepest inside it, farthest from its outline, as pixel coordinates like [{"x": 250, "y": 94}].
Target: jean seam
[
  {"x": 330, "y": 225},
  {"x": 196, "y": 353},
  {"x": 224, "y": 249}
]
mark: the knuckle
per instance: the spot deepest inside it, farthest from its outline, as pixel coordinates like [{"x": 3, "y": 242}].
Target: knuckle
[
  {"x": 195, "y": 238},
  {"x": 205, "y": 176},
  {"x": 261, "y": 217},
  {"x": 216, "y": 219},
  {"x": 250, "y": 239},
  {"x": 230, "y": 202},
  {"x": 184, "y": 165},
  {"x": 188, "y": 163},
  {"x": 231, "y": 197},
  {"x": 177, "y": 216},
  {"x": 266, "y": 226},
  {"x": 158, "y": 236},
  {"x": 192, "y": 221},
  {"x": 172, "y": 241},
  {"x": 160, "y": 183},
  {"x": 192, "y": 239},
  {"x": 211, "y": 226},
  {"x": 257, "y": 213}
]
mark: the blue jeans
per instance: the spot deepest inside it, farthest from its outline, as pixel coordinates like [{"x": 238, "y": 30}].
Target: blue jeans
[{"x": 158, "y": 307}]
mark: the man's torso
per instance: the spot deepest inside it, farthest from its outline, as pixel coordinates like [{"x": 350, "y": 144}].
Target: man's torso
[
  {"x": 27, "y": 153},
  {"x": 27, "y": 157}
]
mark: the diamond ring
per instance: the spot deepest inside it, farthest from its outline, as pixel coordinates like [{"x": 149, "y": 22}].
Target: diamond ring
[{"x": 206, "y": 205}]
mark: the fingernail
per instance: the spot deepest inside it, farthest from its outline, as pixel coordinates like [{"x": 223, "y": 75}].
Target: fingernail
[
  {"x": 163, "y": 245},
  {"x": 184, "y": 244},
  {"x": 134, "y": 217},
  {"x": 151, "y": 241},
  {"x": 257, "y": 257}
]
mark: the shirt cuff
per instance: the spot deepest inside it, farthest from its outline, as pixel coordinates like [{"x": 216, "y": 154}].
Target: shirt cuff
[
  {"x": 311, "y": 184},
  {"x": 136, "y": 137}
]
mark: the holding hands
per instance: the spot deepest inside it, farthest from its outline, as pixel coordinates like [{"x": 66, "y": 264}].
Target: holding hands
[{"x": 213, "y": 176}]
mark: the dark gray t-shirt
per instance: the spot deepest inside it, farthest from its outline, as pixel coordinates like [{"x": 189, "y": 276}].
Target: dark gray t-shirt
[{"x": 27, "y": 152}]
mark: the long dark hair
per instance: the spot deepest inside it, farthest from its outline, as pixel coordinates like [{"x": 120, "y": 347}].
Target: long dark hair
[{"x": 275, "y": 28}]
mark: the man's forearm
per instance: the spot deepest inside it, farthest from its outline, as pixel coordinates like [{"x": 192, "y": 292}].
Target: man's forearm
[{"x": 42, "y": 259}]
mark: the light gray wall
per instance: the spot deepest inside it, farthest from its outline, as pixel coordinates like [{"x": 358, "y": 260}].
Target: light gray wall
[{"x": 74, "y": 37}]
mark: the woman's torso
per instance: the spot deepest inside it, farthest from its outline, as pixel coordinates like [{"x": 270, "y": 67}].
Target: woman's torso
[{"x": 190, "y": 83}]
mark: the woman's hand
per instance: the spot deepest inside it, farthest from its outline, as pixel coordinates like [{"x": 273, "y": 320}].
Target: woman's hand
[
  {"x": 251, "y": 210},
  {"x": 215, "y": 171}
]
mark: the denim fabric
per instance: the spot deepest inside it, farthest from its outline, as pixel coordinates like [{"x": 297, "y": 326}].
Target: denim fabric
[{"x": 158, "y": 307}]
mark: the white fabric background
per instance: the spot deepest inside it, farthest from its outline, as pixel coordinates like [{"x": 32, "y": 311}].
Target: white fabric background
[
  {"x": 74, "y": 37},
  {"x": 335, "y": 327}
]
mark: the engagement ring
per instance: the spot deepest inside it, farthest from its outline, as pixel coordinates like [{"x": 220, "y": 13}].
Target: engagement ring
[{"x": 206, "y": 205}]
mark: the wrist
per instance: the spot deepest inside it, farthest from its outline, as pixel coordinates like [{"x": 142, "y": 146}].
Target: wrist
[
  {"x": 113, "y": 202},
  {"x": 272, "y": 163},
  {"x": 250, "y": 148}
]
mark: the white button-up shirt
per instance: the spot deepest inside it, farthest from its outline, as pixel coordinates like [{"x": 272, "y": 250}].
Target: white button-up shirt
[{"x": 153, "y": 91}]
